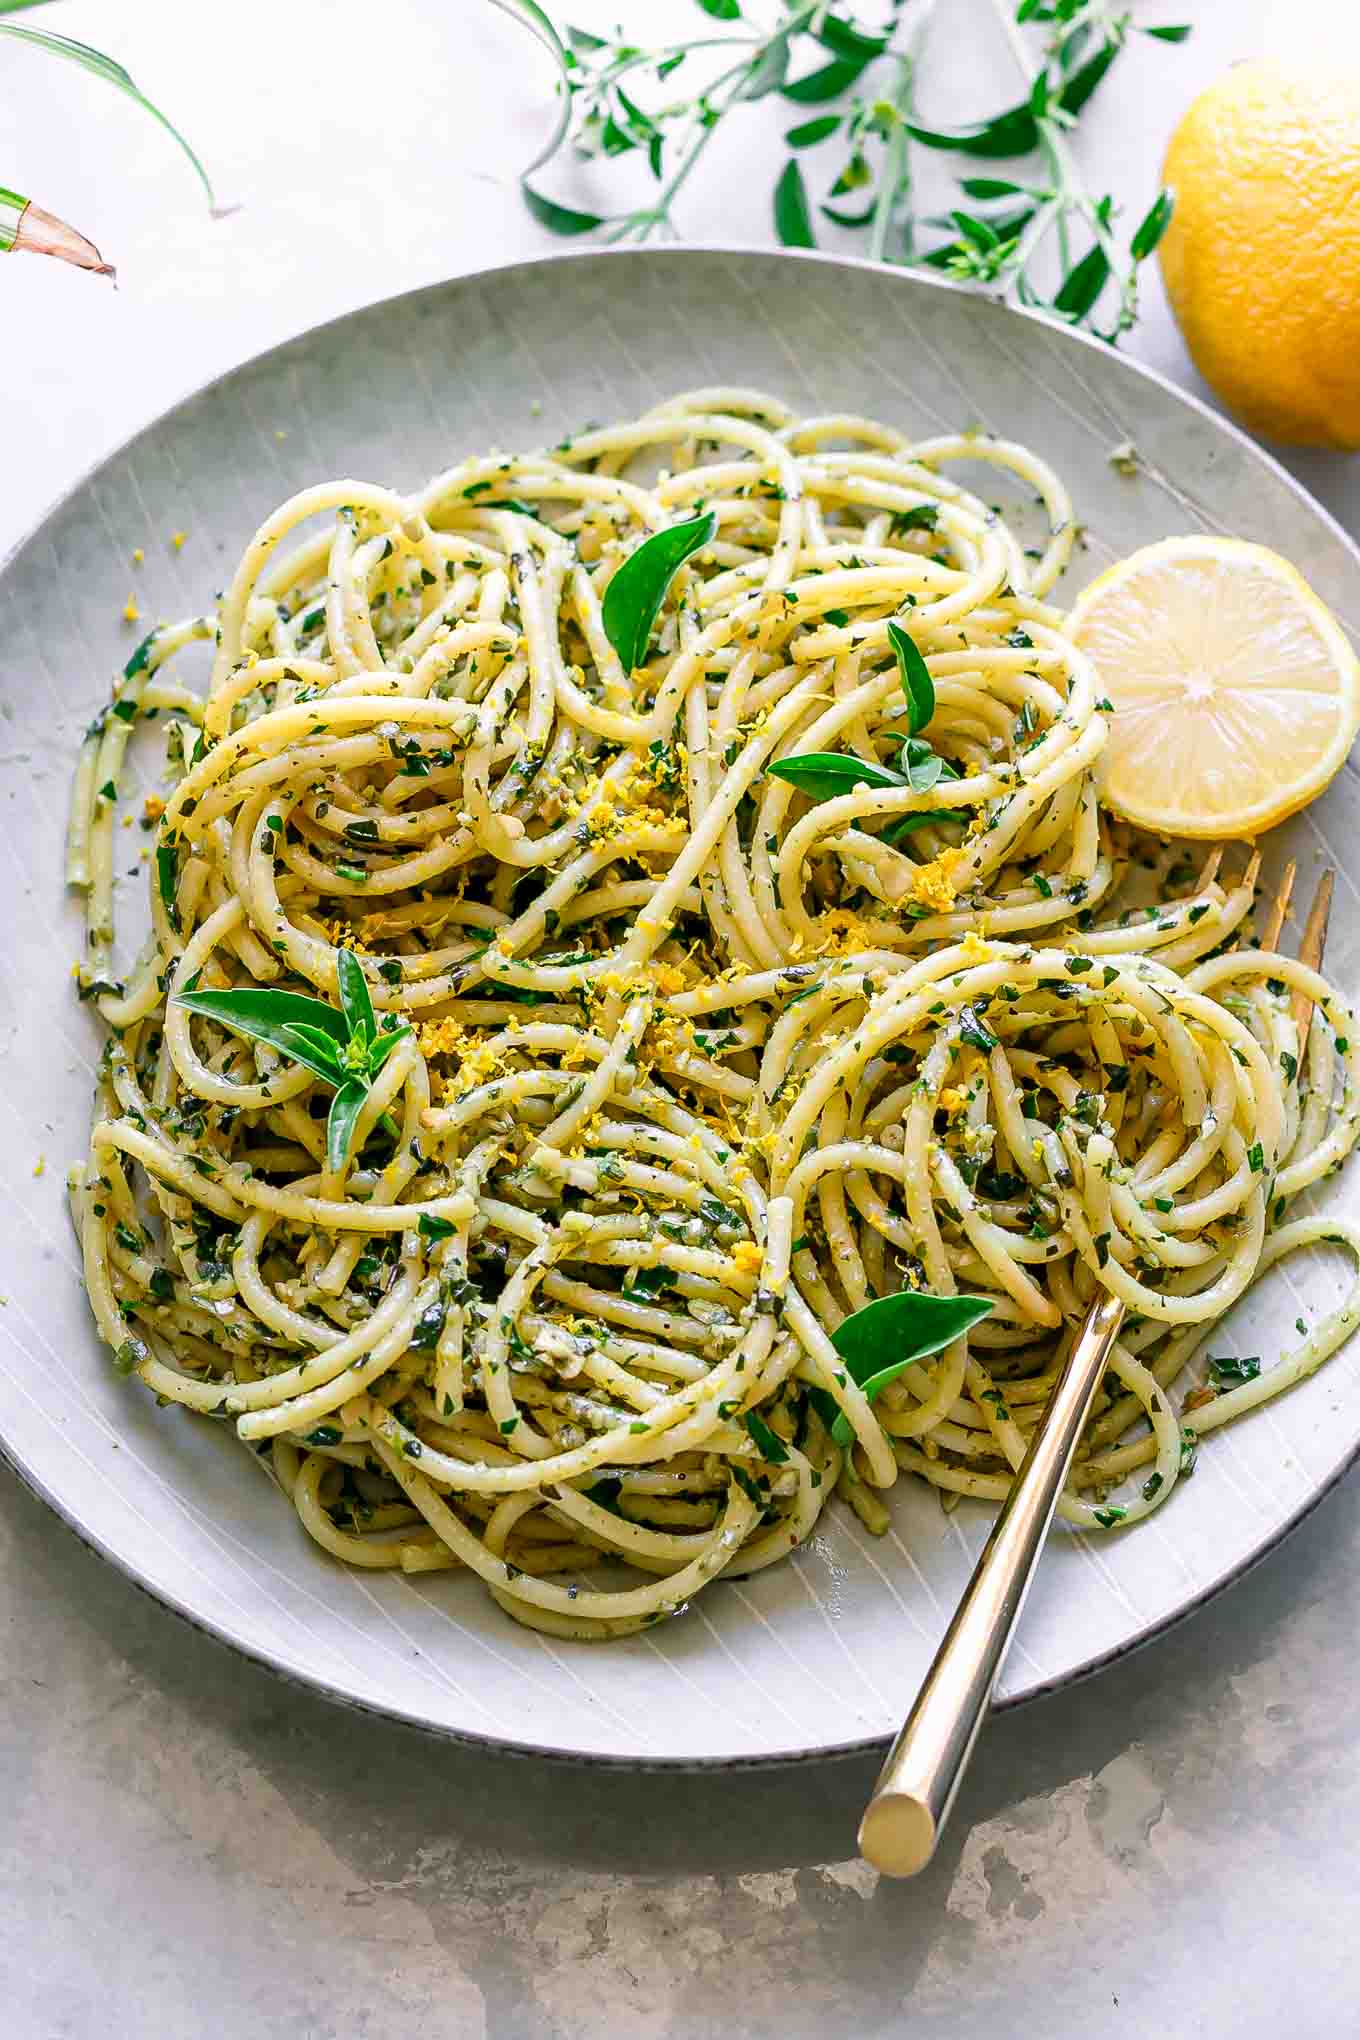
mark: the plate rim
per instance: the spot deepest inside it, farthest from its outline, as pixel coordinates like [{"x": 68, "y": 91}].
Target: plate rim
[{"x": 325, "y": 1687}]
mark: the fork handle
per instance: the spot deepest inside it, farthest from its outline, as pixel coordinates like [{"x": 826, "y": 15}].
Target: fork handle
[{"x": 915, "y": 1790}]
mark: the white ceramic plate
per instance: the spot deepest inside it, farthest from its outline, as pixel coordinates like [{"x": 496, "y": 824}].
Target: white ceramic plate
[{"x": 815, "y": 1656}]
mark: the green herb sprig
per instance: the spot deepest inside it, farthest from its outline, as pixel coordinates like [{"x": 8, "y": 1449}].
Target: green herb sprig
[
  {"x": 345, "y": 1048},
  {"x": 826, "y": 775},
  {"x": 1036, "y": 235}
]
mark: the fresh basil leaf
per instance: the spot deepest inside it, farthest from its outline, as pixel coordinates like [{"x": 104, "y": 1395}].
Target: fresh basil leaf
[
  {"x": 383, "y": 1047},
  {"x": 925, "y": 767},
  {"x": 989, "y": 187},
  {"x": 813, "y": 131},
  {"x": 558, "y": 219},
  {"x": 767, "y": 1444},
  {"x": 792, "y": 220},
  {"x": 431, "y": 1227},
  {"x": 1152, "y": 226},
  {"x": 917, "y": 685},
  {"x": 262, "y": 1014},
  {"x": 828, "y": 83},
  {"x": 1006, "y": 230},
  {"x": 634, "y": 596},
  {"x": 1012, "y": 133},
  {"x": 346, "y": 1106},
  {"x": 849, "y": 40},
  {"x": 845, "y": 219},
  {"x": 826, "y": 775},
  {"x": 315, "y": 1049},
  {"x": 1172, "y": 32},
  {"x": 721, "y": 10},
  {"x": 355, "y": 1001},
  {"x": 614, "y": 140},
  {"x": 888, "y": 1335},
  {"x": 1083, "y": 283}
]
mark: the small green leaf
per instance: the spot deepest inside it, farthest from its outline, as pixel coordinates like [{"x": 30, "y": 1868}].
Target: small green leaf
[
  {"x": 1083, "y": 284},
  {"x": 976, "y": 231},
  {"x": 1152, "y": 226},
  {"x": 355, "y": 1001},
  {"x": 769, "y": 1446},
  {"x": 925, "y": 767},
  {"x": 721, "y": 10},
  {"x": 879, "y": 1341},
  {"x": 916, "y": 681},
  {"x": 262, "y": 1014},
  {"x": 792, "y": 220},
  {"x": 346, "y": 1106},
  {"x": 1012, "y": 133},
  {"x": 558, "y": 219},
  {"x": 431, "y": 1227},
  {"x": 828, "y": 83},
  {"x": 634, "y": 596},
  {"x": 1228, "y": 1371},
  {"x": 315, "y": 1049},
  {"x": 1173, "y": 32},
  {"x": 826, "y": 775},
  {"x": 813, "y": 131}
]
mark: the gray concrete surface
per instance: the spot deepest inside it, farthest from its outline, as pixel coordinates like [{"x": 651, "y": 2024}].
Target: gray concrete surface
[{"x": 189, "y": 1849}]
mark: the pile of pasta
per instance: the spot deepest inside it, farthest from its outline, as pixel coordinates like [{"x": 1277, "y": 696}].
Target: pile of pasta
[{"x": 699, "y": 1063}]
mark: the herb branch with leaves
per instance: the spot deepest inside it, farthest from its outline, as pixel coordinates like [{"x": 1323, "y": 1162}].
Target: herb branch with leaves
[
  {"x": 1032, "y": 232},
  {"x": 345, "y": 1048}
]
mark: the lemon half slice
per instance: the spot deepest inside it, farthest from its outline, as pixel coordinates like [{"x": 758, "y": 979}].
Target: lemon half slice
[{"x": 1236, "y": 694}]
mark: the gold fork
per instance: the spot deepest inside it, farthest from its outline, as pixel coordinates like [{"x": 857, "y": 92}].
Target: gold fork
[{"x": 916, "y": 1787}]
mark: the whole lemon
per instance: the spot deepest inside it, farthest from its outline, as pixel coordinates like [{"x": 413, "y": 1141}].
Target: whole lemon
[{"x": 1262, "y": 257}]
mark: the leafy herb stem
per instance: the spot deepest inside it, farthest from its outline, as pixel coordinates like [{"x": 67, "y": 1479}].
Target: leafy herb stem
[{"x": 1015, "y": 238}]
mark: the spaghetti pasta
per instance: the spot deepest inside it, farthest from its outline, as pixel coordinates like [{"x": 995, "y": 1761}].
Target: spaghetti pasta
[{"x": 699, "y": 1058}]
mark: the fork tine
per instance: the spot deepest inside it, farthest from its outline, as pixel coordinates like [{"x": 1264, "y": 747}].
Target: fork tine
[
  {"x": 1310, "y": 952},
  {"x": 1274, "y": 922},
  {"x": 1210, "y": 871},
  {"x": 1252, "y": 872}
]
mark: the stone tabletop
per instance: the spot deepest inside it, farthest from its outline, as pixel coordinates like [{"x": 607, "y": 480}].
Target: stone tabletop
[{"x": 189, "y": 1848}]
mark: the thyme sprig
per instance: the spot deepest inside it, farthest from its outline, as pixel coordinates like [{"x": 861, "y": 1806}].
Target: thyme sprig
[{"x": 1030, "y": 232}]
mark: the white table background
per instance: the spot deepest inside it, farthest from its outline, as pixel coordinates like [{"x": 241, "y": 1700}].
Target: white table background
[{"x": 187, "y": 1848}]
